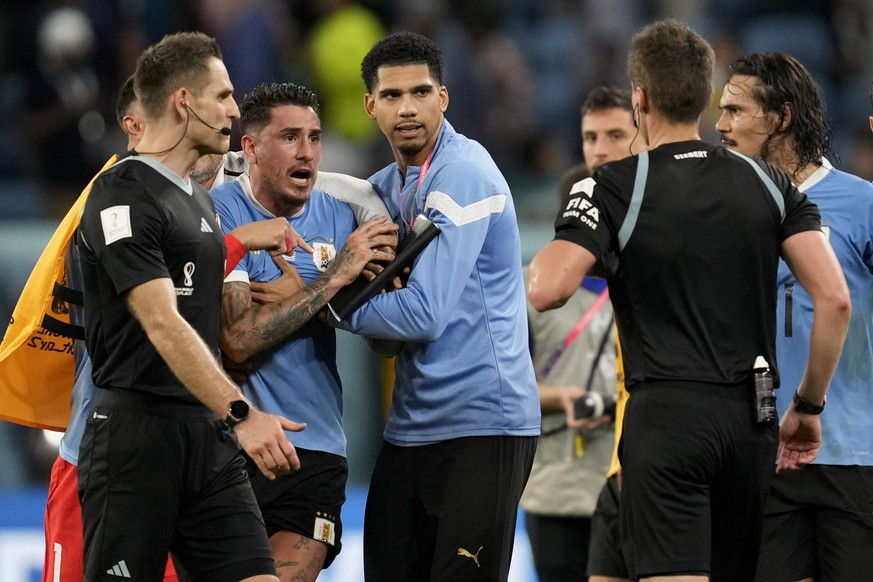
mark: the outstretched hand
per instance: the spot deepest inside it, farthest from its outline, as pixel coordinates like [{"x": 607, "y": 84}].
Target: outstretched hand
[
  {"x": 799, "y": 440},
  {"x": 274, "y": 236},
  {"x": 262, "y": 437}
]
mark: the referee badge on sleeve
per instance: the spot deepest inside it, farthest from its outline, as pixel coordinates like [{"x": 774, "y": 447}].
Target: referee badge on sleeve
[
  {"x": 325, "y": 528},
  {"x": 115, "y": 221}
]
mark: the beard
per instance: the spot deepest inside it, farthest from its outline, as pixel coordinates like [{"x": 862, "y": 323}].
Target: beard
[
  {"x": 287, "y": 202},
  {"x": 410, "y": 149}
]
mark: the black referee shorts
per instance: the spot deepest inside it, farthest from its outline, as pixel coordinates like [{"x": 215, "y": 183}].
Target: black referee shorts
[
  {"x": 696, "y": 470},
  {"x": 157, "y": 476}
]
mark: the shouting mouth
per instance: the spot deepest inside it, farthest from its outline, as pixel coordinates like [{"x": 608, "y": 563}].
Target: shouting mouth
[{"x": 301, "y": 177}]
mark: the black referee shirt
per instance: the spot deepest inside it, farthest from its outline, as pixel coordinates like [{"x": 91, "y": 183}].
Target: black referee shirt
[
  {"x": 142, "y": 222},
  {"x": 693, "y": 275}
]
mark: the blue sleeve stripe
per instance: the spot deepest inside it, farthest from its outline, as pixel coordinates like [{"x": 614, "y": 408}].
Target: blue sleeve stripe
[
  {"x": 768, "y": 182},
  {"x": 633, "y": 210}
]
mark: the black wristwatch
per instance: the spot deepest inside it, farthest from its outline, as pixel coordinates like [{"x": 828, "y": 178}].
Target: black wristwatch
[
  {"x": 803, "y": 405},
  {"x": 237, "y": 412}
]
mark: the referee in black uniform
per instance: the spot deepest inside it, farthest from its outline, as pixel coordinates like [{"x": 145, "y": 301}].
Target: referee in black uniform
[
  {"x": 160, "y": 470},
  {"x": 689, "y": 235}
]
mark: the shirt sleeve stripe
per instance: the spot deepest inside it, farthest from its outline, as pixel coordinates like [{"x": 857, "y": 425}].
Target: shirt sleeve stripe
[
  {"x": 461, "y": 215},
  {"x": 633, "y": 209}
]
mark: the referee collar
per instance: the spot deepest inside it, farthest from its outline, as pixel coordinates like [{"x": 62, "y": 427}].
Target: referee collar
[{"x": 162, "y": 170}]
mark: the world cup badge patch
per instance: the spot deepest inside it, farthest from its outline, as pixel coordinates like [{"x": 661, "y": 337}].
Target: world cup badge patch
[
  {"x": 323, "y": 255},
  {"x": 325, "y": 528},
  {"x": 116, "y": 224}
]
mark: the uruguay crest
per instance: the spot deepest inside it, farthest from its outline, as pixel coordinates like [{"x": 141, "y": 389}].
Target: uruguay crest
[{"x": 323, "y": 255}]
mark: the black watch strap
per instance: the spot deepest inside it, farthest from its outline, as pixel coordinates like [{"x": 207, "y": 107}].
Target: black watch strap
[{"x": 803, "y": 405}]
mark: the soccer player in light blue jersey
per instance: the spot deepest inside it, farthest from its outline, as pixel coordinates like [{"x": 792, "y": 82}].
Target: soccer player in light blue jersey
[
  {"x": 465, "y": 414},
  {"x": 293, "y": 356},
  {"x": 772, "y": 108}
]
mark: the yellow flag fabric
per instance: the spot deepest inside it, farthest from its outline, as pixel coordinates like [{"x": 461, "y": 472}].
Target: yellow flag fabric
[
  {"x": 36, "y": 365},
  {"x": 621, "y": 403}
]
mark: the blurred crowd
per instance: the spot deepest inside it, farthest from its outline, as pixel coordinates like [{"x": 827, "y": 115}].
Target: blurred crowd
[{"x": 517, "y": 70}]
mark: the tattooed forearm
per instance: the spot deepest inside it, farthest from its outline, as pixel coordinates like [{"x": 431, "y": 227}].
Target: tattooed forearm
[
  {"x": 284, "y": 318},
  {"x": 247, "y": 327}
]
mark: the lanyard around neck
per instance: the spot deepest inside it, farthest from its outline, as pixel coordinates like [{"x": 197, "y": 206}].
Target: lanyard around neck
[{"x": 422, "y": 173}]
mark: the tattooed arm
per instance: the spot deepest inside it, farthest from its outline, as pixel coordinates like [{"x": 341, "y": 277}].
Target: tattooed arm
[{"x": 248, "y": 327}]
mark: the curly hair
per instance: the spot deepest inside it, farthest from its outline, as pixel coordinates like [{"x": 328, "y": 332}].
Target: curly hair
[
  {"x": 255, "y": 110},
  {"x": 674, "y": 65},
  {"x": 177, "y": 60},
  {"x": 401, "y": 49},
  {"x": 783, "y": 81}
]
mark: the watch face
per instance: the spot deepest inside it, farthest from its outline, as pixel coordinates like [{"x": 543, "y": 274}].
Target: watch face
[{"x": 239, "y": 409}]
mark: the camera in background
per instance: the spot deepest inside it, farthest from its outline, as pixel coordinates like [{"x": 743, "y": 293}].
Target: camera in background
[{"x": 594, "y": 405}]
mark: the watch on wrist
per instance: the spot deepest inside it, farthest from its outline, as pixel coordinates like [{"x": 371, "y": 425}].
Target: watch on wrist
[
  {"x": 803, "y": 405},
  {"x": 237, "y": 412}
]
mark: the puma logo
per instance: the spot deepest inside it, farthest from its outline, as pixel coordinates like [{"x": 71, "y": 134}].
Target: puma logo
[{"x": 467, "y": 554}]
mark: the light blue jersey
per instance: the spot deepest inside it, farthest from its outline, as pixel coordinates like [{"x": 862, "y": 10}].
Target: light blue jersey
[
  {"x": 84, "y": 390},
  {"x": 465, "y": 368},
  {"x": 846, "y": 204},
  {"x": 297, "y": 378}
]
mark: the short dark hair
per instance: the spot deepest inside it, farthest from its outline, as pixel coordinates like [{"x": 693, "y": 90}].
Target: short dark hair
[
  {"x": 781, "y": 80},
  {"x": 126, "y": 97},
  {"x": 177, "y": 60},
  {"x": 401, "y": 49},
  {"x": 607, "y": 97},
  {"x": 256, "y": 109},
  {"x": 674, "y": 65}
]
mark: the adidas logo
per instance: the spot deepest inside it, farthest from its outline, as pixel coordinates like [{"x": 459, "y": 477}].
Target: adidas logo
[
  {"x": 204, "y": 226},
  {"x": 119, "y": 569}
]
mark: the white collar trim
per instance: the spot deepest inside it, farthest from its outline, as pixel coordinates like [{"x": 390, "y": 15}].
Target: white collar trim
[{"x": 816, "y": 176}]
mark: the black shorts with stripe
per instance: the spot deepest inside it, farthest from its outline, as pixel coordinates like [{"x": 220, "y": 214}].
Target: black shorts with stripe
[{"x": 157, "y": 476}]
